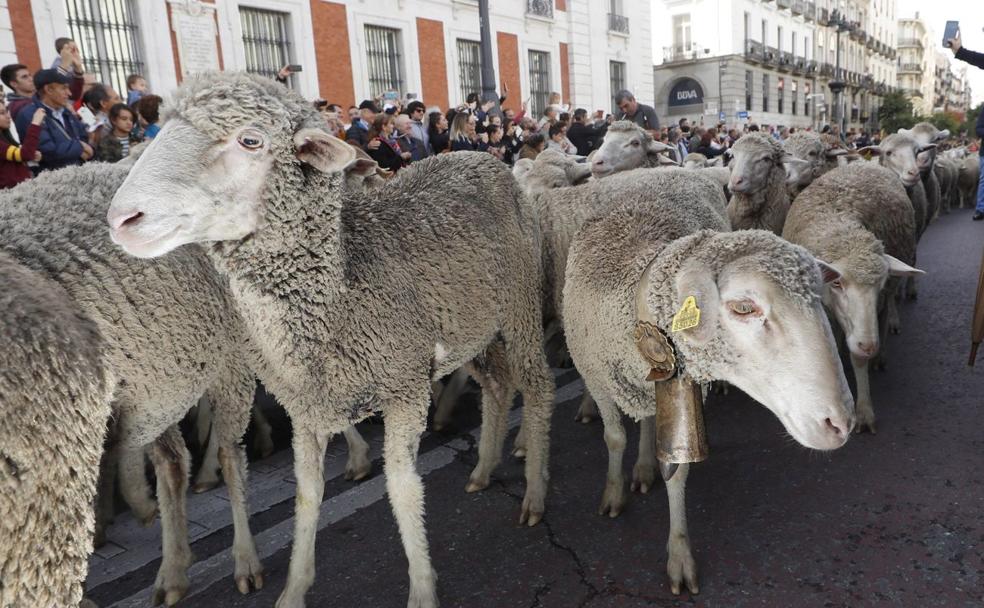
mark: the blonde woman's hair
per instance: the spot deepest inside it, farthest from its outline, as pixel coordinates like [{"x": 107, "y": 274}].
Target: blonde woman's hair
[{"x": 459, "y": 128}]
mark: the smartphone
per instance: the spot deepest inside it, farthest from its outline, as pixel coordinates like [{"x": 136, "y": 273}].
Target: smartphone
[
  {"x": 294, "y": 68},
  {"x": 391, "y": 95},
  {"x": 952, "y": 31},
  {"x": 411, "y": 96}
]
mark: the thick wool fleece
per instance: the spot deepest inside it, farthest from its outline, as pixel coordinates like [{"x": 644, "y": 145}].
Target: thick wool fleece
[
  {"x": 54, "y": 403},
  {"x": 852, "y": 215},
  {"x": 561, "y": 212},
  {"x": 810, "y": 147},
  {"x": 608, "y": 259},
  {"x": 920, "y": 207},
  {"x": 766, "y": 206}
]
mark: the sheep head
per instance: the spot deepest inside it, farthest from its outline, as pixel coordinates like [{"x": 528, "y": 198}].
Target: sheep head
[
  {"x": 208, "y": 175},
  {"x": 626, "y": 146},
  {"x": 763, "y": 328},
  {"x": 755, "y": 159},
  {"x": 898, "y": 152},
  {"x": 551, "y": 169},
  {"x": 807, "y": 157}
]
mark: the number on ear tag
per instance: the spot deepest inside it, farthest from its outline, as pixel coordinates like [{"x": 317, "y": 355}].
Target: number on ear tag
[{"x": 687, "y": 317}]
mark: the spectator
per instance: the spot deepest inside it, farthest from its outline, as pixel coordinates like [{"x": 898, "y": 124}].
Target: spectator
[
  {"x": 14, "y": 156},
  {"x": 382, "y": 146},
  {"x": 641, "y": 114},
  {"x": 136, "y": 87},
  {"x": 708, "y": 147},
  {"x": 677, "y": 140},
  {"x": 406, "y": 139},
  {"x": 100, "y": 98},
  {"x": 584, "y": 135},
  {"x": 496, "y": 146},
  {"x": 353, "y": 115},
  {"x": 358, "y": 133},
  {"x": 976, "y": 60},
  {"x": 558, "y": 139},
  {"x": 117, "y": 136},
  {"x": 416, "y": 110},
  {"x": 18, "y": 79},
  {"x": 149, "y": 115},
  {"x": 532, "y": 147},
  {"x": 463, "y": 134},
  {"x": 684, "y": 125},
  {"x": 696, "y": 135},
  {"x": 549, "y": 118},
  {"x": 63, "y": 141},
  {"x": 437, "y": 132}
]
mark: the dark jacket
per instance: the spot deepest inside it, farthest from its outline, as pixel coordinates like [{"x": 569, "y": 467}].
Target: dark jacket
[
  {"x": 386, "y": 156},
  {"x": 60, "y": 146},
  {"x": 357, "y": 136},
  {"x": 586, "y": 137},
  {"x": 414, "y": 146},
  {"x": 976, "y": 60},
  {"x": 440, "y": 142},
  {"x": 109, "y": 148},
  {"x": 13, "y": 158}
]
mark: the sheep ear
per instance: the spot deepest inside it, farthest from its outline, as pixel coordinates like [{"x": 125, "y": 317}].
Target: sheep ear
[
  {"x": 794, "y": 167},
  {"x": 521, "y": 168},
  {"x": 898, "y": 268},
  {"x": 828, "y": 272},
  {"x": 665, "y": 160},
  {"x": 835, "y": 152},
  {"x": 872, "y": 150},
  {"x": 363, "y": 165},
  {"x": 717, "y": 162},
  {"x": 655, "y": 147},
  {"x": 578, "y": 172},
  {"x": 322, "y": 151},
  {"x": 904, "y": 131},
  {"x": 925, "y": 148},
  {"x": 698, "y": 282},
  {"x": 944, "y": 134}
]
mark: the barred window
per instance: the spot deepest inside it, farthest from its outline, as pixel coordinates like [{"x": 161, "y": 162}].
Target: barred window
[
  {"x": 781, "y": 94},
  {"x": 749, "y": 84},
  {"x": 385, "y": 60},
  {"x": 469, "y": 67},
  {"x": 795, "y": 96},
  {"x": 617, "y": 75},
  {"x": 765, "y": 92},
  {"x": 539, "y": 81},
  {"x": 106, "y": 32},
  {"x": 266, "y": 41}
]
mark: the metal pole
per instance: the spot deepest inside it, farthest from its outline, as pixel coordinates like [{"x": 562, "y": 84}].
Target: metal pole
[
  {"x": 838, "y": 110},
  {"x": 488, "y": 75}
]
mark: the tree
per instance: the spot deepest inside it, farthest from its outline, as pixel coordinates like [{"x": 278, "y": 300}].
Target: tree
[
  {"x": 942, "y": 121},
  {"x": 971, "y": 122},
  {"x": 896, "y": 113}
]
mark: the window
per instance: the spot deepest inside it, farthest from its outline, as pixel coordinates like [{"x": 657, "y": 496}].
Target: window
[
  {"x": 749, "y": 83},
  {"x": 469, "y": 67},
  {"x": 765, "y": 92},
  {"x": 795, "y": 95},
  {"x": 616, "y": 71},
  {"x": 539, "y": 81},
  {"x": 106, "y": 32},
  {"x": 265, "y": 41},
  {"x": 385, "y": 60},
  {"x": 781, "y": 93},
  {"x": 681, "y": 32},
  {"x": 806, "y": 99}
]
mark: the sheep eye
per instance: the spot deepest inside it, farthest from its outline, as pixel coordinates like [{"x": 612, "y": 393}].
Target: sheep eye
[
  {"x": 743, "y": 307},
  {"x": 635, "y": 142},
  {"x": 250, "y": 141},
  {"x": 814, "y": 153},
  {"x": 888, "y": 154}
]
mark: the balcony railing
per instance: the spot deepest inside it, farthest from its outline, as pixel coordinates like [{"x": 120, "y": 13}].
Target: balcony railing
[
  {"x": 824, "y": 17},
  {"x": 912, "y": 92},
  {"x": 827, "y": 70},
  {"x": 917, "y": 42},
  {"x": 674, "y": 54},
  {"x": 618, "y": 23},
  {"x": 540, "y": 8},
  {"x": 771, "y": 55},
  {"x": 910, "y": 68},
  {"x": 799, "y": 65},
  {"x": 785, "y": 61},
  {"x": 754, "y": 51},
  {"x": 812, "y": 67}
]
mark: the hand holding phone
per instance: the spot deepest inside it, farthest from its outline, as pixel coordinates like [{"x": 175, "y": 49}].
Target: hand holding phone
[
  {"x": 293, "y": 68},
  {"x": 951, "y": 35}
]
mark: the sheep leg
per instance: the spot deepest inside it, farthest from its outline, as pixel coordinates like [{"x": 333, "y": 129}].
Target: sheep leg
[
  {"x": 680, "y": 565},
  {"x": 406, "y": 493},
  {"x": 358, "y": 465},
  {"x": 911, "y": 293},
  {"x": 613, "y": 498},
  {"x": 864, "y": 410},
  {"x": 588, "y": 410},
  {"x": 892, "y": 309},
  {"x": 171, "y": 462},
  {"x": 134, "y": 486},
  {"x": 208, "y": 474},
  {"x": 309, "y": 458},
  {"x": 263, "y": 442},
  {"x": 106, "y": 494},
  {"x": 519, "y": 443},
  {"x": 450, "y": 394},
  {"x": 644, "y": 471},
  {"x": 492, "y": 375}
]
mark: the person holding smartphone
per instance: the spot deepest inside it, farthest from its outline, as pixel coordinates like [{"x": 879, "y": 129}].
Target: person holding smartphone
[{"x": 977, "y": 60}]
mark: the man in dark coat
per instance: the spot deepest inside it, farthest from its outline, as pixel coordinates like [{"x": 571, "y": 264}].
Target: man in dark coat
[
  {"x": 584, "y": 135},
  {"x": 64, "y": 139},
  {"x": 977, "y": 60}
]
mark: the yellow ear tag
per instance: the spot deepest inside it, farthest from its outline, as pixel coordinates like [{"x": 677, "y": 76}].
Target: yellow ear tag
[{"x": 688, "y": 316}]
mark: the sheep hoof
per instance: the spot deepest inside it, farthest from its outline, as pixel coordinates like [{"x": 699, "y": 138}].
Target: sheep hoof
[
  {"x": 169, "y": 597},
  {"x": 87, "y": 603},
  {"x": 868, "y": 425},
  {"x": 204, "y": 486},
  {"x": 476, "y": 485},
  {"x": 246, "y": 582},
  {"x": 146, "y": 515},
  {"x": 519, "y": 452},
  {"x": 682, "y": 570},
  {"x": 530, "y": 517},
  {"x": 357, "y": 471},
  {"x": 643, "y": 478},
  {"x": 439, "y": 425},
  {"x": 613, "y": 500}
]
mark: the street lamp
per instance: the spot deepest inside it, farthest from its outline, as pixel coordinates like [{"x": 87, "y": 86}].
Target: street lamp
[
  {"x": 837, "y": 84},
  {"x": 488, "y": 75}
]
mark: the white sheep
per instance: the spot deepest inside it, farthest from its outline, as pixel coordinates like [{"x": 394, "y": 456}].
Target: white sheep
[
  {"x": 758, "y": 184},
  {"x": 927, "y": 133},
  {"x": 628, "y": 146},
  {"x": 55, "y": 390},
  {"x": 761, "y": 327},
  {"x": 808, "y": 156},
  {"x": 859, "y": 221},
  {"x": 347, "y": 295}
]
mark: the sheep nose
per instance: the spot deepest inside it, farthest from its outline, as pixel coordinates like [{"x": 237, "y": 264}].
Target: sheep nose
[
  {"x": 598, "y": 163},
  {"x": 838, "y": 427},
  {"x": 868, "y": 348},
  {"x": 128, "y": 219}
]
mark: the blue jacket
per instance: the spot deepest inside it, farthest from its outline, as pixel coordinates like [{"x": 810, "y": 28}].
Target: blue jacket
[
  {"x": 975, "y": 59},
  {"x": 59, "y": 147}
]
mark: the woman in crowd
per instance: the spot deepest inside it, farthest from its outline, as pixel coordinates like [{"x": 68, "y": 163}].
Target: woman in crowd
[
  {"x": 708, "y": 146},
  {"x": 463, "y": 134},
  {"x": 117, "y": 135},
  {"x": 14, "y": 156},
  {"x": 382, "y": 146},
  {"x": 437, "y": 132},
  {"x": 532, "y": 146},
  {"x": 148, "y": 110},
  {"x": 558, "y": 139}
]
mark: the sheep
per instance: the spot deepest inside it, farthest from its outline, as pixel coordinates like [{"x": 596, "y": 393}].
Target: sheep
[
  {"x": 758, "y": 184},
  {"x": 946, "y": 170},
  {"x": 858, "y": 219},
  {"x": 153, "y": 318},
  {"x": 347, "y": 295},
  {"x": 967, "y": 180},
  {"x": 639, "y": 262},
  {"x": 628, "y": 146},
  {"x": 808, "y": 156},
  {"x": 926, "y": 133},
  {"x": 54, "y": 400}
]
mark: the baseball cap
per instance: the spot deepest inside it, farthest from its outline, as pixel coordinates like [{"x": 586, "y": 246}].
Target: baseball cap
[
  {"x": 368, "y": 104},
  {"x": 51, "y": 76}
]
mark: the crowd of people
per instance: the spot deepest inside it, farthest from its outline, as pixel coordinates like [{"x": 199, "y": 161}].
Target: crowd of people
[{"x": 61, "y": 116}]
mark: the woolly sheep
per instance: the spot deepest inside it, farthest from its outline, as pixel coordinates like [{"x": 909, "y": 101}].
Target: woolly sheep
[
  {"x": 808, "y": 156},
  {"x": 153, "y": 318},
  {"x": 643, "y": 260},
  {"x": 347, "y": 301},
  {"x": 947, "y": 173},
  {"x": 758, "y": 184},
  {"x": 859, "y": 221},
  {"x": 54, "y": 400},
  {"x": 925, "y": 133},
  {"x": 967, "y": 180},
  {"x": 628, "y": 146}
]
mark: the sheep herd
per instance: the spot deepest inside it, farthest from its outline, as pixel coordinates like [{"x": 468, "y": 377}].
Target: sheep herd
[{"x": 246, "y": 243}]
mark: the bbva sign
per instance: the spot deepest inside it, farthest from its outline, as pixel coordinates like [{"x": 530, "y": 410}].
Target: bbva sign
[{"x": 686, "y": 92}]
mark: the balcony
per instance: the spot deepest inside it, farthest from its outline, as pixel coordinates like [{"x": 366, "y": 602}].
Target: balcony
[
  {"x": 868, "y": 82},
  {"x": 787, "y": 4},
  {"x": 910, "y": 68},
  {"x": 618, "y": 24},
  {"x": 827, "y": 70},
  {"x": 811, "y": 11},
  {"x": 799, "y": 7},
  {"x": 754, "y": 51},
  {"x": 683, "y": 53},
  {"x": 771, "y": 56},
  {"x": 799, "y": 65},
  {"x": 910, "y": 42},
  {"x": 823, "y": 18},
  {"x": 912, "y": 93},
  {"x": 784, "y": 61},
  {"x": 812, "y": 67},
  {"x": 540, "y": 8}
]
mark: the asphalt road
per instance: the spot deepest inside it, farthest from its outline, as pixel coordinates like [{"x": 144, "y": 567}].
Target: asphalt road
[{"x": 895, "y": 519}]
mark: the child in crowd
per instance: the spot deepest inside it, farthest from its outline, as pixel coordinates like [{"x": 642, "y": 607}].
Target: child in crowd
[
  {"x": 136, "y": 87},
  {"x": 14, "y": 156},
  {"x": 117, "y": 138},
  {"x": 149, "y": 115}
]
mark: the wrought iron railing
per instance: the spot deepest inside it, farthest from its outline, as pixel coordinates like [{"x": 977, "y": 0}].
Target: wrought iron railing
[
  {"x": 910, "y": 42},
  {"x": 910, "y": 67},
  {"x": 618, "y": 23},
  {"x": 540, "y": 8},
  {"x": 265, "y": 41},
  {"x": 754, "y": 50},
  {"x": 107, "y": 35}
]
